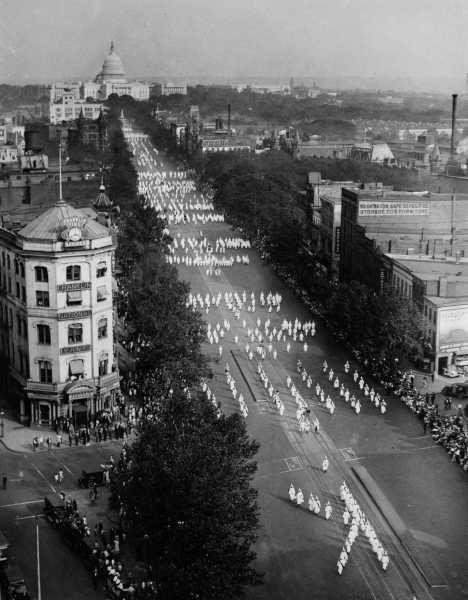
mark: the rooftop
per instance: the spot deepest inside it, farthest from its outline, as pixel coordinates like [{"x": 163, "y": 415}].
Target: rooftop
[
  {"x": 50, "y": 225},
  {"x": 388, "y": 195},
  {"x": 426, "y": 267}
]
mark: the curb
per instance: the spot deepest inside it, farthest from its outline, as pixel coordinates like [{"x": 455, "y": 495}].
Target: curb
[
  {"x": 423, "y": 564},
  {"x": 2, "y": 442}
]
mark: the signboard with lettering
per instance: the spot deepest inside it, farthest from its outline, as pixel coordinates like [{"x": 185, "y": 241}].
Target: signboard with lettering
[
  {"x": 453, "y": 329},
  {"x": 73, "y": 349},
  {"x": 74, "y": 243},
  {"x": 77, "y": 314},
  {"x": 369, "y": 208},
  {"x": 73, "y": 287}
]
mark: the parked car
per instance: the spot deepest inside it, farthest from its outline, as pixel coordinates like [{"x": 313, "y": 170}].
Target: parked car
[
  {"x": 12, "y": 583},
  {"x": 54, "y": 509},
  {"x": 458, "y": 390},
  {"x": 89, "y": 477},
  {"x": 4, "y": 544},
  {"x": 451, "y": 372}
]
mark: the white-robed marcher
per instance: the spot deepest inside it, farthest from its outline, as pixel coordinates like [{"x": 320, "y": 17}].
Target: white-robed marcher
[
  {"x": 311, "y": 502},
  {"x": 292, "y": 493},
  {"x": 325, "y": 464},
  {"x": 328, "y": 510},
  {"x": 299, "y": 497},
  {"x": 317, "y": 505}
]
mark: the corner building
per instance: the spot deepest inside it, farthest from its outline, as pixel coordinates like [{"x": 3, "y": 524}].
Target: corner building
[{"x": 56, "y": 327}]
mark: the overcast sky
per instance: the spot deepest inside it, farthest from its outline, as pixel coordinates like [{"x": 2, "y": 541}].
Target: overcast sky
[{"x": 55, "y": 39}]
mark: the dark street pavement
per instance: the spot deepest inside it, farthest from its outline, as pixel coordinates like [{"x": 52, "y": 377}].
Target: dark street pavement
[
  {"x": 30, "y": 479},
  {"x": 413, "y": 495}
]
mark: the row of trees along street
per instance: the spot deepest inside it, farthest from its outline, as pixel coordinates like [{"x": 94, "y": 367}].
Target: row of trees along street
[
  {"x": 185, "y": 486},
  {"x": 261, "y": 197}
]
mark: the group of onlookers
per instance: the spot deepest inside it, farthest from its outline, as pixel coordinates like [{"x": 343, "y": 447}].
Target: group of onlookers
[{"x": 447, "y": 430}]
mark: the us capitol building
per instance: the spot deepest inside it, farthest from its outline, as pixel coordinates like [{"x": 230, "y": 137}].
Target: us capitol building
[{"x": 111, "y": 79}]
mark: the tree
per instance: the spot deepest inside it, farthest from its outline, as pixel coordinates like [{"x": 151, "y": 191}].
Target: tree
[{"x": 187, "y": 492}]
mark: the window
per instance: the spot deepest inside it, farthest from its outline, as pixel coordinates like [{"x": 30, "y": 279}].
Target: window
[
  {"x": 101, "y": 269},
  {"x": 18, "y": 294},
  {"x": 9, "y": 285},
  {"x": 23, "y": 294},
  {"x": 43, "y": 334},
  {"x": 22, "y": 270},
  {"x": 18, "y": 324},
  {"x": 25, "y": 329},
  {"x": 42, "y": 298},
  {"x": 41, "y": 274},
  {"x": 76, "y": 368},
  {"x": 74, "y": 298},
  {"x": 74, "y": 273},
  {"x": 103, "y": 365},
  {"x": 101, "y": 293},
  {"x": 102, "y": 328},
  {"x": 45, "y": 371},
  {"x": 16, "y": 267},
  {"x": 75, "y": 333},
  {"x": 8, "y": 261}
]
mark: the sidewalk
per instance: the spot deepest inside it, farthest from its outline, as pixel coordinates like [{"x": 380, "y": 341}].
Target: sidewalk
[
  {"x": 435, "y": 387},
  {"x": 19, "y": 438}
]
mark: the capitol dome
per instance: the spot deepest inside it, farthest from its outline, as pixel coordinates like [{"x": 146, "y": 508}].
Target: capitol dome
[{"x": 112, "y": 69}]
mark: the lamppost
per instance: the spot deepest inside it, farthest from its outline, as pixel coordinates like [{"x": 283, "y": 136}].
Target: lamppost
[{"x": 2, "y": 423}]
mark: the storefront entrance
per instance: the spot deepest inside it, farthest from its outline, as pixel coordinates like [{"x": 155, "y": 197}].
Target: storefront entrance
[
  {"x": 44, "y": 414},
  {"x": 80, "y": 414},
  {"x": 80, "y": 399}
]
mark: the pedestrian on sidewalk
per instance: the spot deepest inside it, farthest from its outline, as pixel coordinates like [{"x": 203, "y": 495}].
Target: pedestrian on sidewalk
[
  {"x": 4, "y": 481},
  {"x": 35, "y": 443}
]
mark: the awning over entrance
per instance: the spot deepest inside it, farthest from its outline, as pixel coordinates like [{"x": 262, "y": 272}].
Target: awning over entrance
[
  {"x": 76, "y": 366},
  {"x": 79, "y": 391}
]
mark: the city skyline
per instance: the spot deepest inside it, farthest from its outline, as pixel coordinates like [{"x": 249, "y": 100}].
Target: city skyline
[{"x": 379, "y": 42}]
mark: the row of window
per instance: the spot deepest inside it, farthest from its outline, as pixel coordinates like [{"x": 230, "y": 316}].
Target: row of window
[
  {"x": 20, "y": 290},
  {"x": 74, "y": 298},
  {"x": 75, "y": 332},
  {"x": 75, "y": 369},
  {"x": 19, "y": 265},
  {"x": 430, "y": 313},
  {"x": 73, "y": 272}
]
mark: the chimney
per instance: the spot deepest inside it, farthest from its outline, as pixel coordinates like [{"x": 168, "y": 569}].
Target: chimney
[
  {"x": 229, "y": 116},
  {"x": 454, "y": 120}
]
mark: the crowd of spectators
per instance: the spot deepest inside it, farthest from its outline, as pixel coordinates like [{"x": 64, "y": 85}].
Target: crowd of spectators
[{"x": 447, "y": 430}]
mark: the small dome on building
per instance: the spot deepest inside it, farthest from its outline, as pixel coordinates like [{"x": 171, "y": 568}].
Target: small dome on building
[{"x": 102, "y": 202}]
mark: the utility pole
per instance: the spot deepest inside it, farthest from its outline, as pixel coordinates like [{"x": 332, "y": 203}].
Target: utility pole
[{"x": 39, "y": 594}]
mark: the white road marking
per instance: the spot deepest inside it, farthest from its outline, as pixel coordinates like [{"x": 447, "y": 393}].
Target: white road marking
[
  {"x": 21, "y": 503},
  {"x": 28, "y": 517},
  {"x": 45, "y": 479}
]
